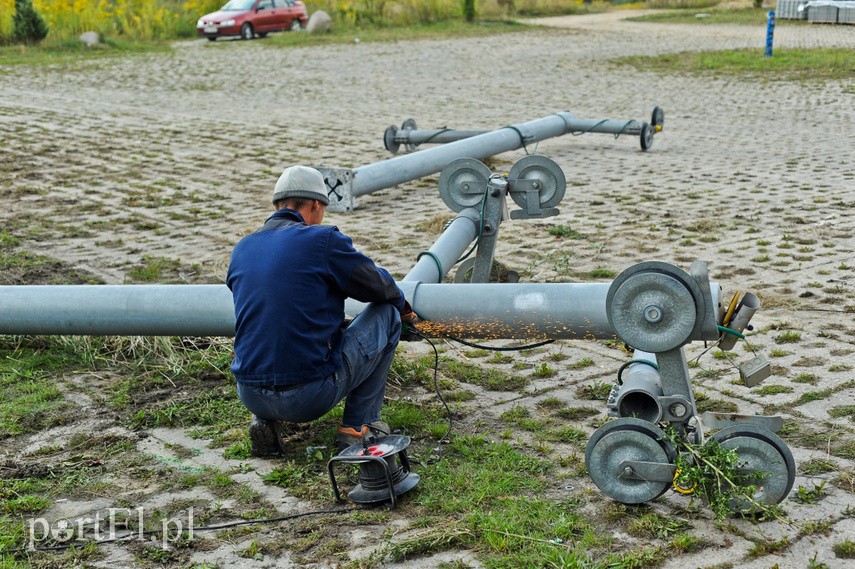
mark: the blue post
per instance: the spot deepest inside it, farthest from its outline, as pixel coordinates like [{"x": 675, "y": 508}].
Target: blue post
[{"x": 770, "y": 33}]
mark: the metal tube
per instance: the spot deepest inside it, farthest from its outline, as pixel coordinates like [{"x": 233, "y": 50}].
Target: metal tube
[
  {"x": 123, "y": 310},
  {"x": 447, "y": 249},
  {"x": 555, "y": 310},
  {"x": 748, "y": 306},
  {"x": 439, "y": 136},
  {"x": 574, "y": 125},
  {"x": 411, "y": 137},
  {"x": 387, "y": 173}
]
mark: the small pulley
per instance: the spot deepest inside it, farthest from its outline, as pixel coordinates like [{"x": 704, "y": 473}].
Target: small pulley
[
  {"x": 647, "y": 133},
  {"x": 630, "y": 460},
  {"x": 764, "y": 458},
  {"x": 463, "y": 183},
  {"x": 382, "y": 477},
  {"x": 536, "y": 184},
  {"x": 648, "y": 130},
  {"x": 654, "y": 306},
  {"x": 657, "y": 119}
]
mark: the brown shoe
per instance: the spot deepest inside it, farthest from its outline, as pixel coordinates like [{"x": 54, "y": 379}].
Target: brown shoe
[{"x": 265, "y": 438}]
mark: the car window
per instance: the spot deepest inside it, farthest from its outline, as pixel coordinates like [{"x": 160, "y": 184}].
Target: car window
[
  {"x": 238, "y": 5},
  {"x": 280, "y": 3},
  {"x": 265, "y": 4}
]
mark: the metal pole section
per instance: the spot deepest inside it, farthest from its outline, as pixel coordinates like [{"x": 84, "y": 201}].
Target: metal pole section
[
  {"x": 344, "y": 185},
  {"x": 413, "y": 138},
  {"x": 123, "y": 310},
  {"x": 373, "y": 177},
  {"x": 443, "y": 136},
  {"x": 434, "y": 264},
  {"x": 555, "y": 310}
]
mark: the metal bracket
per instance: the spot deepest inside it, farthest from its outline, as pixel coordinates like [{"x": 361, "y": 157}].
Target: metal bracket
[
  {"x": 670, "y": 404},
  {"x": 715, "y": 420},
  {"x": 646, "y": 471},
  {"x": 339, "y": 182}
]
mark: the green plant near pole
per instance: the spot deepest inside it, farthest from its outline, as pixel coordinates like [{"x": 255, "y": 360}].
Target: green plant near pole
[
  {"x": 27, "y": 24},
  {"x": 469, "y": 10}
]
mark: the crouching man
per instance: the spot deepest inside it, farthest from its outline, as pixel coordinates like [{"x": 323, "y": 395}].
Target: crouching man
[{"x": 294, "y": 358}]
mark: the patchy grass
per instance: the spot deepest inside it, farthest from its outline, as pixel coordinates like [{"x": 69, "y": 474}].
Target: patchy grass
[
  {"x": 786, "y": 65},
  {"x": 488, "y": 378},
  {"x": 18, "y": 266},
  {"x": 74, "y": 52},
  {"x": 350, "y": 35},
  {"x": 746, "y": 16}
]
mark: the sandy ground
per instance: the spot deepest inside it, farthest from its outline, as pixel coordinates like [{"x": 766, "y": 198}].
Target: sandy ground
[{"x": 108, "y": 163}]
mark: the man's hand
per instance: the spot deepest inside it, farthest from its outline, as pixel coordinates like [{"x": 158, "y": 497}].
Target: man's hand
[{"x": 409, "y": 332}]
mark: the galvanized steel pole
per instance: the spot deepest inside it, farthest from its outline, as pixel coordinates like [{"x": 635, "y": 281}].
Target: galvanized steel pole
[
  {"x": 490, "y": 310},
  {"x": 345, "y": 185},
  {"x": 411, "y": 137},
  {"x": 434, "y": 264},
  {"x": 567, "y": 310}
]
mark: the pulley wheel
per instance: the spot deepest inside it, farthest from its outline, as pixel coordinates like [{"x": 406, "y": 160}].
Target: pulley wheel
[
  {"x": 657, "y": 118},
  {"x": 654, "y": 306},
  {"x": 546, "y": 173},
  {"x": 647, "y": 133},
  {"x": 763, "y": 452},
  {"x": 624, "y": 440},
  {"x": 463, "y": 182},
  {"x": 389, "y": 139},
  {"x": 410, "y": 124}
]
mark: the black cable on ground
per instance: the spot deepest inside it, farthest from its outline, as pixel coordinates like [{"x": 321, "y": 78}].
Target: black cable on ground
[
  {"x": 129, "y": 536},
  {"x": 497, "y": 349}
]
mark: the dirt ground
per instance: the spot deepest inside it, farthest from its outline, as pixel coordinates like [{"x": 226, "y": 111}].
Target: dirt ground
[{"x": 168, "y": 159}]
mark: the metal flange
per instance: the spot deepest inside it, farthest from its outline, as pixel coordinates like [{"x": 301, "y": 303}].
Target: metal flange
[
  {"x": 463, "y": 182},
  {"x": 654, "y": 306},
  {"x": 536, "y": 183},
  {"x": 389, "y": 141}
]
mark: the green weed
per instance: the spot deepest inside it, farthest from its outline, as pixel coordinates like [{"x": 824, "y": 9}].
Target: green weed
[
  {"x": 492, "y": 379},
  {"x": 845, "y": 549},
  {"x": 565, "y": 231},
  {"x": 786, "y": 65},
  {"x": 811, "y": 496}
]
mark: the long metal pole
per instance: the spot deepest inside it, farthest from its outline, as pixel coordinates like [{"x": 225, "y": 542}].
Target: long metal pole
[
  {"x": 412, "y": 138},
  {"x": 491, "y": 310},
  {"x": 345, "y": 185},
  {"x": 373, "y": 177}
]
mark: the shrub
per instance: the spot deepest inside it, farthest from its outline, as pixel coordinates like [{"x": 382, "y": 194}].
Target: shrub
[
  {"x": 27, "y": 25},
  {"x": 469, "y": 10}
]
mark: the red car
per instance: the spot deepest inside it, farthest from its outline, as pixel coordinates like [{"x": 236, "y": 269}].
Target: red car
[{"x": 248, "y": 18}]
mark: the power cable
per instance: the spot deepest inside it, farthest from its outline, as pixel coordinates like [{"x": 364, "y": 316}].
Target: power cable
[{"x": 128, "y": 537}]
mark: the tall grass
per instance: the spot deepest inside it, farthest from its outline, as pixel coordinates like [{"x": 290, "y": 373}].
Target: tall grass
[
  {"x": 169, "y": 19},
  {"x": 129, "y": 19}
]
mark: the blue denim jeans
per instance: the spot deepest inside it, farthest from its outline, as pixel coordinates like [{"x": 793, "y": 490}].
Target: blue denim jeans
[{"x": 368, "y": 346}]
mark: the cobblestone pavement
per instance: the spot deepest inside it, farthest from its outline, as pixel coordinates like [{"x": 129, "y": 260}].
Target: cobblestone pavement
[{"x": 109, "y": 164}]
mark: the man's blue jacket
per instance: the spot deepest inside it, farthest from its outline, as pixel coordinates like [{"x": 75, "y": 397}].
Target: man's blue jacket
[{"x": 289, "y": 281}]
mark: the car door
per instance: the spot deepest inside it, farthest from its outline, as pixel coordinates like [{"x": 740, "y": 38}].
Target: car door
[
  {"x": 283, "y": 14},
  {"x": 265, "y": 16}
]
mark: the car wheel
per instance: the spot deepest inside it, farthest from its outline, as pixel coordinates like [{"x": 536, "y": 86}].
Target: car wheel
[
  {"x": 262, "y": 34},
  {"x": 296, "y": 26},
  {"x": 212, "y": 38},
  {"x": 246, "y": 31}
]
